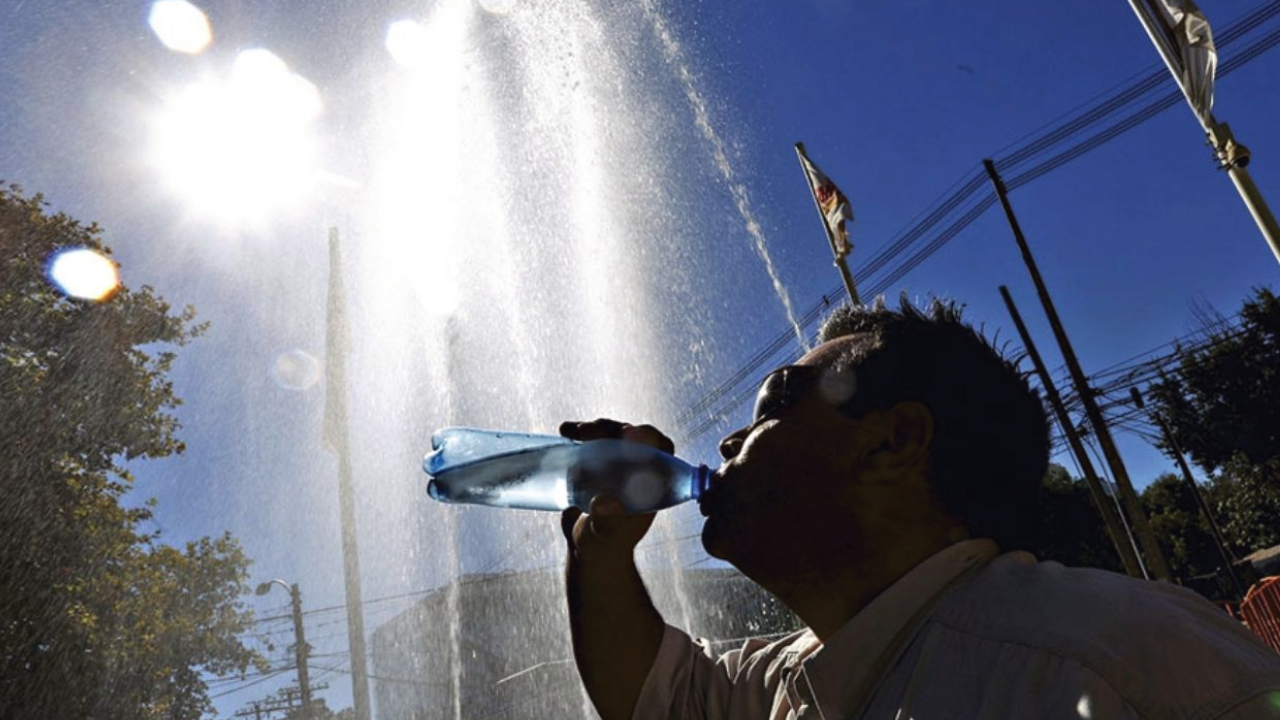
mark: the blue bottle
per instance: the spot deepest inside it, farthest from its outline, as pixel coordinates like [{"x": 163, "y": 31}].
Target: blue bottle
[{"x": 546, "y": 472}]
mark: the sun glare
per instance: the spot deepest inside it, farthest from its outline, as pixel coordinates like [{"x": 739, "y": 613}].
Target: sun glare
[
  {"x": 243, "y": 146},
  {"x": 407, "y": 43},
  {"x": 84, "y": 273},
  {"x": 181, "y": 26}
]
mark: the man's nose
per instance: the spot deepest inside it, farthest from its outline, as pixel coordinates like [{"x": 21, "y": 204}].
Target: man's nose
[{"x": 731, "y": 445}]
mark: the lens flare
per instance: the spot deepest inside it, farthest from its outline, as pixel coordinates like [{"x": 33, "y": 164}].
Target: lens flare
[
  {"x": 295, "y": 370},
  {"x": 84, "y": 273},
  {"x": 181, "y": 26},
  {"x": 407, "y": 42},
  {"x": 241, "y": 147}
]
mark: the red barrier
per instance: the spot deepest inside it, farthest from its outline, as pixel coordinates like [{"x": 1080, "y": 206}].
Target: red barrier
[{"x": 1260, "y": 611}]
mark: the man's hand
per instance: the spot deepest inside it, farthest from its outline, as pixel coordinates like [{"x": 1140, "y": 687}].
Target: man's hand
[
  {"x": 604, "y": 531},
  {"x": 616, "y": 630}
]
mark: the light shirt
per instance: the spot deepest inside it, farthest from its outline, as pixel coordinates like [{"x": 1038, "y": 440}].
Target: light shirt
[{"x": 970, "y": 633}]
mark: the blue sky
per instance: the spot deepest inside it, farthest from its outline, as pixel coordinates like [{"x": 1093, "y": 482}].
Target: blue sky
[{"x": 541, "y": 279}]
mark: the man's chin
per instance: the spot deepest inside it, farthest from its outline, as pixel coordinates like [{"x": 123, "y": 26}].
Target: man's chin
[{"x": 713, "y": 540}]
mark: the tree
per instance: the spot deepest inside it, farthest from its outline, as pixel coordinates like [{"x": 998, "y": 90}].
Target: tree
[
  {"x": 1224, "y": 398},
  {"x": 1180, "y": 528},
  {"x": 98, "y": 619},
  {"x": 1245, "y": 499},
  {"x": 1071, "y": 529}
]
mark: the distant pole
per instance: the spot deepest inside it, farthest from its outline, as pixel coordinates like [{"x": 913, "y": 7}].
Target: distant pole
[
  {"x": 1228, "y": 559},
  {"x": 839, "y": 260},
  {"x": 1122, "y": 540},
  {"x": 300, "y": 650},
  {"x": 1154, "y": 556},
  {"x": 336, "y": 437},
  {"x": 1230, "y": 154}
]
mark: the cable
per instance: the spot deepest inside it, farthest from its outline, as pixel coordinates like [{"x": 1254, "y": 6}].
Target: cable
[
  {"x": 690, "y": 427},
  {"x": 262, "y": 679}
]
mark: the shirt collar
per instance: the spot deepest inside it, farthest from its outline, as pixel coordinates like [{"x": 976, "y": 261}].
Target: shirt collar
[{"x": 840, "y": 670}]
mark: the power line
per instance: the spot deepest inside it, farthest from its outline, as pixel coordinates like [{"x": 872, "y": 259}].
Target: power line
[
  {"x": 247, "y": 685},
  {"x": 695, "y": 421}
]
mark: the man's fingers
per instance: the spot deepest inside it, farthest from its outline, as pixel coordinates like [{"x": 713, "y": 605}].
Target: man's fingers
[
  {"x": 598, "y": 429},
  {"x": 606, "y": 506},
  {"x": 603, "y": 428},
  {"x": 568, "y": 519},
  {"x": 649, "y": 435}
]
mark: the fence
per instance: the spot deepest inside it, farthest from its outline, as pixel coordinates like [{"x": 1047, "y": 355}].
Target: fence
[{"x": 1260, "y": 611}]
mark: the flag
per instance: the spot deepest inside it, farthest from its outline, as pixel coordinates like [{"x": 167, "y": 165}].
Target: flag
[
  {"x": 1191, "y": 31},
  {"x": 334, "y": 431},
  {"x": 832, "y": 204}
]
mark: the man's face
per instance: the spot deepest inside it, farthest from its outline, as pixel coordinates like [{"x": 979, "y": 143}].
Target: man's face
[{"x": 781, "y": 488}]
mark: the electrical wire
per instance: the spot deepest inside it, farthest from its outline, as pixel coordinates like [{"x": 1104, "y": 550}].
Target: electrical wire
[{"x": 695, "y": 421}]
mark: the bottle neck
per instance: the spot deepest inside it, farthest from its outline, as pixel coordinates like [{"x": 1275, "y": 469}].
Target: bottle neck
[{"x": 701, "y": 480}]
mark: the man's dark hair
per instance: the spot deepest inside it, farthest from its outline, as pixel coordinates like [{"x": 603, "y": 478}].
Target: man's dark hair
[{"x": 990, "y": 445}]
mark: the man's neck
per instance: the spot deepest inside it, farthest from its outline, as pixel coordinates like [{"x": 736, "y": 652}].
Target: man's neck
[{"x": 826, "y": 599}]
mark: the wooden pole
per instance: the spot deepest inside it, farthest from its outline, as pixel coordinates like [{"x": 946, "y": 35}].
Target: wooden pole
[
  {"x": 1228, "y": 559},
  {"x": 840, "y": 263},
  {"x": 1150, "y": 548},
  {"x": 301, "y": 651},
  {"x": 1122, "y": 540}
]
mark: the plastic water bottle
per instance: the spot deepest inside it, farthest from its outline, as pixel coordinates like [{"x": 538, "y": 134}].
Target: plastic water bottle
[{"x": 549, "y": 472}]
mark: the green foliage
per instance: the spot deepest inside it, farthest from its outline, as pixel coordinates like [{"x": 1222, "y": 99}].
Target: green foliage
[
  {"x": 1245, "y": 499},
  {"x": 98, "y": 619},
  {"x": 1180, "y": 528},
  {"x": 1071, "y": 530},
  {"x": 1225, "y": 398}
]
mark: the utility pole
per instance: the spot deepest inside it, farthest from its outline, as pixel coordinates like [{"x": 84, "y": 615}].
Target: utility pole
[
  {"x": 1154, "y": 556},
  {"x": 301, "y": 651},
  {"x": 1228, "y": 559},
  {"x": 1120, "y": 537},
  {"x": 286, "y": 700}
]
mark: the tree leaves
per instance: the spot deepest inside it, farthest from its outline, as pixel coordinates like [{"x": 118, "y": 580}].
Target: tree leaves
[
  {"x": 1225, "y": 397},
  {"x": 97, "y": 618}
]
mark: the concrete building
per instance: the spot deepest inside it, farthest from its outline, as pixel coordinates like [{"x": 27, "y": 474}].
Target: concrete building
[{"x": 496, "y": 647}]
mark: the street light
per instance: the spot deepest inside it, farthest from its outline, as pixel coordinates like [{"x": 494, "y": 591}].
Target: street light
[{"x": 300, "y": 640}]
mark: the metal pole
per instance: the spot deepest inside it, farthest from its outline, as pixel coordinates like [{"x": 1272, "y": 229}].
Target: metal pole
[
  {"x": 1154, "y": 556},
  {"x": 1257, "y": 206},
  {"x": 1128, "y": 555},
  {"x": 346, "y": 494},
  {"x": 839, "y": 262},
  {"x": 1230, "y": 154},
  {"x": 301, "y": 651},
  {"x": 1175, "y": 450}
]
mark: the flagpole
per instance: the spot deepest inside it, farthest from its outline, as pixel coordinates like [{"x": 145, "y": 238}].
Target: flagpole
[
  {"x": 839, "y": 262},
  {"x": 1231, "y": 155}
]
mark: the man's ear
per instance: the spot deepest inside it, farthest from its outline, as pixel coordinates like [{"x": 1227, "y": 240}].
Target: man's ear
[{"x": 907, "y": 438}]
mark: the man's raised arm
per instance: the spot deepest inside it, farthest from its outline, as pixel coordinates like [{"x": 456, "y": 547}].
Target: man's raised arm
[{"x": 616, "y": 629}]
